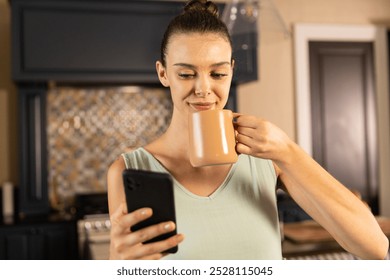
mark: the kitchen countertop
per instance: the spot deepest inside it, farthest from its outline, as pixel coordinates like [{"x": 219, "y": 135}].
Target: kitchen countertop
[{"x": 310, "y": 238}]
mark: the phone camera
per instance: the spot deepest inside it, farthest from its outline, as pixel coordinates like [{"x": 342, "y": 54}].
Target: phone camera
[{"x": 131, "y": 184}]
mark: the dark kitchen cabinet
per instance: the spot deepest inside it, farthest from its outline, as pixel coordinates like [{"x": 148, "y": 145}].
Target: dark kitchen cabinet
[
  {"x": 88, "y": 41},
  {"x": 39, "y": 241},
  {"x": 101, "y": 41}
]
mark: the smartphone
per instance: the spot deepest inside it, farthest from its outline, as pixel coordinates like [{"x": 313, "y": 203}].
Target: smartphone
[{"x": 151, "y": 189}]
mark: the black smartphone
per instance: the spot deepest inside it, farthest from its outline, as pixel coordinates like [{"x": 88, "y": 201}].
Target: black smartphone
[{"x": 151, "y": 189}]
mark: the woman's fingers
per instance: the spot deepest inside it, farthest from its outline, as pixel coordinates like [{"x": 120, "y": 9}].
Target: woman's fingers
[
  {"x": 244, "y": 140},
  {"x": 155, "y": 249},
  {"x": 246, "y": 121},
  {"x": 150, "y": 250},
  {"x": 121, "y": 221},
  {"x": 247, "y": 131},
  {"x": 150, "y": 232},
  {"x": 243, "y": 149},
  {"x": 259, "y": 138}
]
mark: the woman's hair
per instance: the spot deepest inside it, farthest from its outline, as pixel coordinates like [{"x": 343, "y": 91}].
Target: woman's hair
[{"x": 199, "y": 16}]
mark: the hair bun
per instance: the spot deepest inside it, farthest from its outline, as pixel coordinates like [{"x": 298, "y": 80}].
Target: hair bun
[{"x": 201, "y": 6}]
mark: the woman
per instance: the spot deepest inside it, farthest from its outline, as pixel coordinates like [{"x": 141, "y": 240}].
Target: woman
[{"x": 227, "y": 211}]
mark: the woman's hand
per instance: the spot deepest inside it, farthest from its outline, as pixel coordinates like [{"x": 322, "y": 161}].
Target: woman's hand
[
  {"x": 126, "y": 244},
  {"x": 260, "y": 138}
]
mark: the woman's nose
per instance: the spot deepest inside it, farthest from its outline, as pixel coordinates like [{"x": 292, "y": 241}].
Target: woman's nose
[
  {"x": 201, "y": 93},
  {"x": 202, "y": 87}
]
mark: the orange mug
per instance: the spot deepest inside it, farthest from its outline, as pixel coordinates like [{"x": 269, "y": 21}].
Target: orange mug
[{"x": 212, "y": 138}]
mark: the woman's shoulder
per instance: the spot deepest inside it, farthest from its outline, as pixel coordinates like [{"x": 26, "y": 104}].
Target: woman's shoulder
[
  {"x": 122, "y": 161},
  {"x": 128, "y": 159},
  {"x": 117, "y": 166},
  {"x": 138, "y": 158}
]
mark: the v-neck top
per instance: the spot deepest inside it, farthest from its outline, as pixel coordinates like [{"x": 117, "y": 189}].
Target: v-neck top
[{"x": 237, "y": 221}]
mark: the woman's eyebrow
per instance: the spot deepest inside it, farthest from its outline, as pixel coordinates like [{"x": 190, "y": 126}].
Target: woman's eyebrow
[
  {"x": 194, "y": 67},
  {"x": 221, "y": 63},
  {"x": 185, "y": 65}
]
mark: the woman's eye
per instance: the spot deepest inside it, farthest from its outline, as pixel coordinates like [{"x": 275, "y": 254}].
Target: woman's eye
[
  {"x": 186, "y": 76},
  {"x": 218, "y": 75}
]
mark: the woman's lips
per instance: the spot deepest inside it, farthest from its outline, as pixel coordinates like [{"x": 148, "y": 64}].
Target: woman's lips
[{"x": 202, "y": 106}]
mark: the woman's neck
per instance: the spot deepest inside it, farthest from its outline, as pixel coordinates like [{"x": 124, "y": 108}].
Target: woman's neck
[
  {"x": 175, "y": 139},
  {"x": 177, "y": 135}
]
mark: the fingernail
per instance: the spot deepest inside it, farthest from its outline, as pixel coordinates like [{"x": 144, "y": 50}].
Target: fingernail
[
  {"x": 180, "y": 237},
  {"x": 167, "y": 226}
]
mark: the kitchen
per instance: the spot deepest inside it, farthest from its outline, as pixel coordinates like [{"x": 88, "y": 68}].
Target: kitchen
[{"x": 275, "y": 83}]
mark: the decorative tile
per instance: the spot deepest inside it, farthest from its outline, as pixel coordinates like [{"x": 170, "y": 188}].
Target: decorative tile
[{"x": 87, "y": 128}]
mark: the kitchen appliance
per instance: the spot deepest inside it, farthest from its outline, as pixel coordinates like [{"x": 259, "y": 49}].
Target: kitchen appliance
[{"x": 93, "y": 226}]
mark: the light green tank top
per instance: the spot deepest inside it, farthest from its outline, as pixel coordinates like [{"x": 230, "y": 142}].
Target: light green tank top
[{"x": 238, "y": 221}]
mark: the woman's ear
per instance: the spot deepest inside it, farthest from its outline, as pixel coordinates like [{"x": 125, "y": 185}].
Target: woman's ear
[{"x": 162, "y": 74}]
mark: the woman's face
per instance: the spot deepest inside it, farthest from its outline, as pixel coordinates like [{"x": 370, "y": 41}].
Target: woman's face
[{"x": 198, "y": 71}]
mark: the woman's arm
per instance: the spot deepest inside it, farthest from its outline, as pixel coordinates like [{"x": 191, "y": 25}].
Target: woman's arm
[
  {"x": 334, "y": 206},
  {"x": 325, "y": 199}
]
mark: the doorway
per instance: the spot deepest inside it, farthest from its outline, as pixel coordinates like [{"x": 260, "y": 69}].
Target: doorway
[
  {"x": 343, "y": 115},
  {"x": 307, "y": 130}
]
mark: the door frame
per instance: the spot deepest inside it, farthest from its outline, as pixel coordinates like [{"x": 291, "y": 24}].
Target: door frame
[{"x": 303, "y": 34}]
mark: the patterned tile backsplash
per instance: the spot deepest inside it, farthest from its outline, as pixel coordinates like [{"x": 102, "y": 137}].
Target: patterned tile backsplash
[{"x": 88, "y": 127}]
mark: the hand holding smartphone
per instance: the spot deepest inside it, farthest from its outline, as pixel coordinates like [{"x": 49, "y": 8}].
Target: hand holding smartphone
[{"x": 154, "y": 190}]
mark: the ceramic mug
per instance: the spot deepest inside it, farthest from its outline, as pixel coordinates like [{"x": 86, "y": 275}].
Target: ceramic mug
[{"x": 212, "y": 138}]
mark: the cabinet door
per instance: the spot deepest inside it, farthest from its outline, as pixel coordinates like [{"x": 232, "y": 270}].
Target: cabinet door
[
  {"x": 61, "y": 243},
  {"x": 88, "y": 41},
  {"x": 17, "y": 245},
  {"x": 3, "y": 247},
  {"x": 36, "y": 244},
  {"x": 39, "y": 242},
  {"x": 21, "y": 243}
]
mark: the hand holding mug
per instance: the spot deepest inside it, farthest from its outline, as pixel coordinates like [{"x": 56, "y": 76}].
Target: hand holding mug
[{"x": 260, "y": 138}]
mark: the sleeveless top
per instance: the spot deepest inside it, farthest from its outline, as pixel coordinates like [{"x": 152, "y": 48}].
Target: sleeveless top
[{"x": 238, "y": 221}]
